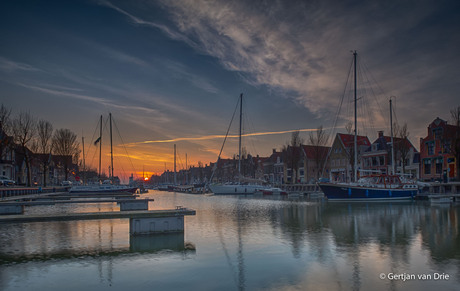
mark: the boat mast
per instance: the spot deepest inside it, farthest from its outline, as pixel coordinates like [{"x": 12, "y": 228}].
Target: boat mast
[
  {"x": 356, "y": 125},
  {"x": 175, "y": 179},
  {"x": 392, "y": 143},
  {"x": 111, "y": 148},
  {"x": 239, "y": 146},
  {"x": 100, "y": 149},
  {"x": 84, "y": 167}
]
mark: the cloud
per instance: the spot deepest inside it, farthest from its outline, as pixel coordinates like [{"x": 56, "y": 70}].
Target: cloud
[
  {"x": 136, "y": 20},
  {"x": 9, "y": 65},
  {"x": 209, "y": 137},
  {"x": 99, "y": 100}
]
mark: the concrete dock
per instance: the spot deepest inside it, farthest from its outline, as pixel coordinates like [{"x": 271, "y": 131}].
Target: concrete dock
[
  {"x": 96, "y": 215},
  {"x": 140, "y": 221}
]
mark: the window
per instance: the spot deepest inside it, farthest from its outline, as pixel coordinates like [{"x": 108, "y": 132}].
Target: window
[
  {"x": 430, "y": 148},
  {"x": 382, "y": 160},
  {"x": 437, "y": 132},
  {"x": 446, "y": 147},
  {"x": 374, "y": 161},
  {"x": 438, "y": 166},
  {"x": 427, "y": 166}
]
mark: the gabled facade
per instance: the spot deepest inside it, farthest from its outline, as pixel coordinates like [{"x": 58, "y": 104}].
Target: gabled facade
[
  {"x": 314, "y": 161},
  {"x": 437, "y": 160},
  {"x": 377, "y": 158},
  {"x": 341, "y": 156},
  {"x": 274, "y": 168}
]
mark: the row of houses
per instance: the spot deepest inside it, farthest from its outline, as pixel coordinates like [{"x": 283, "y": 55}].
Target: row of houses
[
  {"x": 302, "y": 164},
  {"x": 308, "y": 163},
  {"x": 53, "y": 168}
]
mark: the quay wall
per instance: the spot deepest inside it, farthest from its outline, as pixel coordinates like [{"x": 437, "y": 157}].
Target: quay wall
[
  {"x": 19, "y": 191},
  {"x": 443, "y": 188}
]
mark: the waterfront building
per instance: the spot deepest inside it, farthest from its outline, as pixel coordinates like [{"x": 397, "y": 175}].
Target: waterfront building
[
  {"x": 377, "y": 157},
  {"x": 341, "y": 156},
  {"x": 7, "y": 156},
  {"x": 437, "y": 160},
  {"x": 274, "y": 168},
  {"x": 315, "y": 164}
]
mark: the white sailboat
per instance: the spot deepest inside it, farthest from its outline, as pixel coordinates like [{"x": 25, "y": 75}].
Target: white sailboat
[
  {"x": 236, "y": 187},
  {"x": 107, "y": 186}
]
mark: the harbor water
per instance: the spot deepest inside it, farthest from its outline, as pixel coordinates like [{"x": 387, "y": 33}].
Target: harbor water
[{"x": 240, "y": 243}]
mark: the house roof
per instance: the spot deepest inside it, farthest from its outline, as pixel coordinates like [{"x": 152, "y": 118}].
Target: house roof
[
  {"x": 348, "y": 140},
  {"x": 384, "y": 143},
  {"x": 312, "y": 151}
]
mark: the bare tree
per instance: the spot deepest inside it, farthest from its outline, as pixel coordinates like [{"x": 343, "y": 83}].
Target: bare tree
[
  {"x": 65, "y": 144},
  {"x": 319, "y": 142},
  {"x": 402, "y": 145},
  {"x": 44, "y": 141},
  {"x": 349, "y": 127},
  {"x": 24, "y": 130},
  {"x": 5, "y": 129},
  {"x": 455, "y": 147}
]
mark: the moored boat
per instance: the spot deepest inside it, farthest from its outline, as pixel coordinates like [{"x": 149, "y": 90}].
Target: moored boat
[
  {"x": 234, "y": 188},
  {"x": 274, "y": 191},
  {"x": 102, "y": 188},
  {"x": 237, "y": 187},
  {"x": 374, "y": 187}
]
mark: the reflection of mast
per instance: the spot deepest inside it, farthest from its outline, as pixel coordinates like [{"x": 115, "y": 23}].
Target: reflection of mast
[
  {"x": 238, "y": 277},
  {"x": 241, "y": 278}
]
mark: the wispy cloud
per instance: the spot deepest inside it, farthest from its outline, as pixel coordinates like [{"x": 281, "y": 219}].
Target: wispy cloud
[
  {"x": 102, "y": 101},
  {"x": 136, "y": 20},
  {"x": 301, "y": 47},
  {"x": 9, "y": 65},
  {"x": 209, "y": 137}
]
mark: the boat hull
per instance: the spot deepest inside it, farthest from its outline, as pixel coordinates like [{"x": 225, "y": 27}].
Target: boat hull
[
  {"x": 234, "y": 189},
  {"x": 102, "y": 189},
  {"x": 337, "y": 192}
]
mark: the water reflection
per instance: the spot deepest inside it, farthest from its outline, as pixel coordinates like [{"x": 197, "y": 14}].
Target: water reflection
[
  {"x": 65, "y": 240},
  {"x": 247, "y": 243}
]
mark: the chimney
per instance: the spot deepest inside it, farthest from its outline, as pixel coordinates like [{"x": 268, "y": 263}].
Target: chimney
[
  {"x": 274, "y": 151},
  {"x": 381, "y": 133}
]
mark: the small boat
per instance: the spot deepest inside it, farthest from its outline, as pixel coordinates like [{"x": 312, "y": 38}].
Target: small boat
[
  {"x": 274, "y": 191},
  {"x": 440, "y": 199}
]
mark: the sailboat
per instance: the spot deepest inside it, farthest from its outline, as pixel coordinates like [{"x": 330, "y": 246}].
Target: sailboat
[
  {"x": 235, "y": 187},
  {"x": 375, "y": 186},
  {"x": 107, "y": 186}
]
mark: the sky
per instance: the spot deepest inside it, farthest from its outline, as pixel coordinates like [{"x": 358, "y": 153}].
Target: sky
[{"x": 171, "y": 72}]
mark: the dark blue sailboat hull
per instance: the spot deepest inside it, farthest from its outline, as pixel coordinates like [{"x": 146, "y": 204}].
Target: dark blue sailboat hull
[{"x": 339, "y": 192}]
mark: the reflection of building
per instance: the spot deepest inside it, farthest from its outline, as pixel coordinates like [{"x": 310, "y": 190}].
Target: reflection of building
[{"x": 437, "y": 160}]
